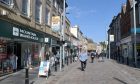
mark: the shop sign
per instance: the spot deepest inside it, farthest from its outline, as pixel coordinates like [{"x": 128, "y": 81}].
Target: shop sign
[
  {"x": 44, "y": 68},
  {"x": 137, "y": 30},
  {"x": 11, "y": 30},
  {"x": 56, "y": 23},
  {"x": 24, "y": 33},
  {"x": 46, "y": 40},
  {"x": 138, "y": 46},
  {"x": 111, "y": 38}
]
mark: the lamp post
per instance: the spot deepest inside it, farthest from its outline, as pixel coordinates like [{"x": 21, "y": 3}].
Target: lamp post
[
  {"x": 134, "y": 18},
  {"x": 63, "y": 32},
  {"x": 109, "y": 45}
]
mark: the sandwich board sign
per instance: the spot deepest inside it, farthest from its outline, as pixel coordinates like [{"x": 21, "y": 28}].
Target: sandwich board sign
[{"x": 44, "y": 68}]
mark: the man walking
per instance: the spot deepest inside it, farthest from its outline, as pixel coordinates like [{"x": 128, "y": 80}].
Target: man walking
[
  {"x": 83, "y": 58},
  {"x": 92, "y": 55}
]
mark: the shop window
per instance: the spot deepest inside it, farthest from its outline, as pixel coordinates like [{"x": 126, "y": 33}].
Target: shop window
[
  {"x": 5, "y": 64},
  {"x": 38, "y": 10},
  {"x": 26, "y": 7},
  {"x": 3, "y": 51},
  {"x": 35, "y": 50}
]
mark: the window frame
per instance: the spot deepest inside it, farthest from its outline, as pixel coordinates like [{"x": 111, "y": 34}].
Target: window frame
[
  {"x": 27, "y": 9},
  {"x": 47, "y": 16},
  {"x": 38, "y": 7},
  {"x": 139, "y": 12},
  {"x": 7, "y": 2}
]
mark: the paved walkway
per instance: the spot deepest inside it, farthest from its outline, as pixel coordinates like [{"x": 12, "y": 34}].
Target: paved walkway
[{"x": 107, "y": 72}]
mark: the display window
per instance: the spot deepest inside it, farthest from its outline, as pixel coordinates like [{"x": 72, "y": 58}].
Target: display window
[
  {"x": 35, "y": 51},
  {"x": 5, "y": 64},
  {"x": 3, "y": 50}
]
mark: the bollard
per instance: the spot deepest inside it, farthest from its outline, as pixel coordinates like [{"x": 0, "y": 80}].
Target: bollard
[
  {"x": 55, "y": 66},
  {"x": 26, "y": 76},
  {"x": 67, "y": 61},
  {"x": 62, "y": 63}
]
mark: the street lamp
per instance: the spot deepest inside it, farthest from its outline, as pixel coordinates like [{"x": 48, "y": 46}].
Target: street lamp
[
  {"x": 62, "y": 38},
  {"x": 134, "y": 18},
  {"x": 63, "y": 32},
  {"x": 109, "y": 45}
]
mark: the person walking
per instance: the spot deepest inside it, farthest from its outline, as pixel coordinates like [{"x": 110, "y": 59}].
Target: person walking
[
  {"x": 83, "y": 59},
  {"x": 13, "y": 59},
  {"x": 92, "y": 55}
]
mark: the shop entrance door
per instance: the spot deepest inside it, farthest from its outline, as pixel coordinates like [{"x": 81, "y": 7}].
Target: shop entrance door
[
  {"x": 17, "y": 52},
  {"x": 16, "y": 49}
]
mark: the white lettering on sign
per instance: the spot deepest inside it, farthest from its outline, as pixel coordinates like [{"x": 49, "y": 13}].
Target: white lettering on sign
[
  {"x": 15, "y": 31},
  {"x": 25, "y": 34}
]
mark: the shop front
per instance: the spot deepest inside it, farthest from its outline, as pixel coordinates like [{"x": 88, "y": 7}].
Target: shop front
[
  {"x": 55, "y": 45},
  {"x": 21, "y": 41},
  {"x": 67, "y": 52},
  {"x": 47, "y": 47}
]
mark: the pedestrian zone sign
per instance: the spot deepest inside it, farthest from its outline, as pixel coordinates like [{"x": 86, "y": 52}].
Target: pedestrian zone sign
[{"x": 44, "y": 68}]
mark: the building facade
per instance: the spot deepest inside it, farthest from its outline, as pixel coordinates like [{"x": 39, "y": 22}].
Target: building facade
[
  {"x": 126, "y": 31},
  {"x": 26, "y": 31}
]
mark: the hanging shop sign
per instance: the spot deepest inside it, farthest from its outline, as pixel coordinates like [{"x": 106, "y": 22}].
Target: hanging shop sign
[
  {"x": 47, "y": 40},
  {"x": 56, "y": 23},
  {"x": 111, "y": 38}
]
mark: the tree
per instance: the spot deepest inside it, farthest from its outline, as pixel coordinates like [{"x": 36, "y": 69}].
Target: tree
[{"x": 103, "y": 44}]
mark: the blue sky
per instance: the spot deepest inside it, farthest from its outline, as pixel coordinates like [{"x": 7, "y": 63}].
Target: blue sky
[{"x": 93, "y": 16}]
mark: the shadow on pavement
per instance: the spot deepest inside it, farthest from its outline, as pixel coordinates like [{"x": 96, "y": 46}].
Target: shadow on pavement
[
  {"x": 32, "y": 82},
  {"x": 79, "y": 68},
  {"x": 120, "y": 80}
]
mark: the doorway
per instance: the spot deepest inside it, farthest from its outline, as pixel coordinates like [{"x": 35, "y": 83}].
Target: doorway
[
  {"x": 17, "y": 52},
  {"x": 16, "y": 48}
]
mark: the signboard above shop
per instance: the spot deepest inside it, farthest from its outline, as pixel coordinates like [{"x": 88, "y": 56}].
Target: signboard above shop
[
  {"x": 24, "y": 33},
  {"x": 18, "y": 31}
]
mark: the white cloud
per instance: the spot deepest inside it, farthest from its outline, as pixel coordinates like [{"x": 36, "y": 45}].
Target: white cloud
[{"x": 77, "y": 12}]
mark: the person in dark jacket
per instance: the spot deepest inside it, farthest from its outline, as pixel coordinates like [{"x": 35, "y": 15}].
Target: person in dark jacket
[{"x": 92, "y": 55}]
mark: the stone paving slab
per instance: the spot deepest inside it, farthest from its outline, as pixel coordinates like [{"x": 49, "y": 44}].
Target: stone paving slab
[
  {"x": 107, "y": 72},
  {"x": 98, "y": 73}
]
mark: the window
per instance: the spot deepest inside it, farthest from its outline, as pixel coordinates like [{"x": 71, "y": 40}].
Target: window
[
  {"x": 47, "y": 16},
  {"x": 55, "y": 4},
  {"x": 7, "y": 2},
  {"x": 26, "y": 7},
  {"x": 38, "y": 10},
  {"x": 139, "y": 12}
]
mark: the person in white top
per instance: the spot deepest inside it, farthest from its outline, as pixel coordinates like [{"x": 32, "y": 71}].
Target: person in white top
[{"x": 13, "y": 59}]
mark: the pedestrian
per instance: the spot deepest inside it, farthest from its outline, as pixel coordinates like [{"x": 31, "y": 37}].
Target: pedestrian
[
  {"x": 83, "y": 59},
  {"x": 92, "y": 55},
  {"x": 13, "y": 60}
]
